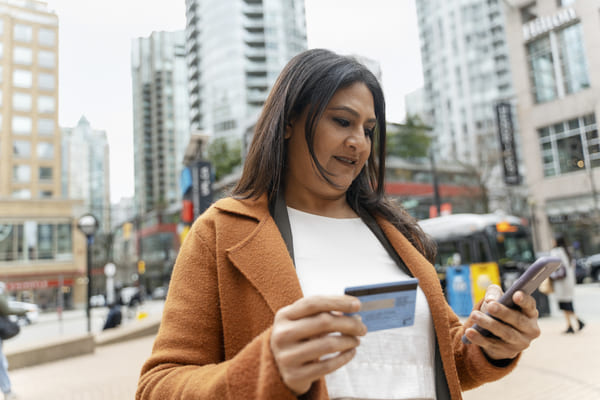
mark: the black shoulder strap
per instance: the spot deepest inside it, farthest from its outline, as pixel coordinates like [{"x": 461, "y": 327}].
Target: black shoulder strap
[{"x": 278, "y": 211}]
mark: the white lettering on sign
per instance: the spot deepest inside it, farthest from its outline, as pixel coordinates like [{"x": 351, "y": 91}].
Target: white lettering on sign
[{"x": 541, "y": 25}]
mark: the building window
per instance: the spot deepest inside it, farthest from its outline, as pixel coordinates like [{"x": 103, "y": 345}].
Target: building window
[
  {"x": 46, "y": 194},
  {"x": 46, "y": 37},
  {"x": 45, "y": 104},
  {"x": 572, "y": 59},
  {"x": 570, "y": 146},
  {"x": 22, "y": 173},
  {"x": 46, "y": 81},
  {"x": 21, "y": 125},
  {"x": 22, "y": 78},
  {"x": 45, "y": 173},
  {"x": 45, "y": 127},
  {"x": 542, "y": 70},
  {"x": 558, "y": 64},
  {"x": 21, "y": 149},
  {"x": 22, "y": 194},
  {"x": 45, "y": 150},
  {"x": 23, "y": 33},
  {"x": 565, "y": 3},
  {"x": 22, "y": 55},
  {"x": 46, "y": 59},
  {"x": 21, "y": 101}
]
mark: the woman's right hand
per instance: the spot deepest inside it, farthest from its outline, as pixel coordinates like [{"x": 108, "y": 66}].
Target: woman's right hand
[{"x": 302, "y": 335}]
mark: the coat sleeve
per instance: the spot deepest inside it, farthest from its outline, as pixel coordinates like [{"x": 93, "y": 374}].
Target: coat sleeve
[
  {"x": 474, "y": 368},
  {"x": 187, "y": 360}
]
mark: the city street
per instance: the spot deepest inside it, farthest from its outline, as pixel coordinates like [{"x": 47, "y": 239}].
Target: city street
[{"x": 556, "y": 366}]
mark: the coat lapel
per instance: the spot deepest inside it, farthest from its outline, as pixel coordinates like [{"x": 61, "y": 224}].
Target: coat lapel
[{"x": 262, "y": 257}]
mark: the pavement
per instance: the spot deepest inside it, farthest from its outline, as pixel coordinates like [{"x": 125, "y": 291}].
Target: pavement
[{"x": 556, "y": 366}]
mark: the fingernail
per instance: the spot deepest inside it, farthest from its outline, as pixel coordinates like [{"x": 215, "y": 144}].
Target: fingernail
[{"x": 356, "y": 305}]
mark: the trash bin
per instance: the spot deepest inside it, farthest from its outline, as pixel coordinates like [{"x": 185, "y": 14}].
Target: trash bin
[
  {"x": 482, "y": 276},
  {"x": 458, "y": 288}
]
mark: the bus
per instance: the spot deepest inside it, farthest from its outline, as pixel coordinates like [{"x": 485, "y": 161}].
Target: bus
[{"x": 476, "y": 238}]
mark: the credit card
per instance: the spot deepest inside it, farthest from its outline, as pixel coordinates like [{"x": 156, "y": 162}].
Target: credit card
[{"x": 386, "y": 305}]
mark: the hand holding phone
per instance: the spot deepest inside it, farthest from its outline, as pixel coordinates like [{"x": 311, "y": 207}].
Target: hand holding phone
[{"x": 528, "y": 283}]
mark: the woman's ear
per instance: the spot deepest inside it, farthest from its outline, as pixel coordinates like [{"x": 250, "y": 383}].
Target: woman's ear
[{"x": 288, "y": 130}]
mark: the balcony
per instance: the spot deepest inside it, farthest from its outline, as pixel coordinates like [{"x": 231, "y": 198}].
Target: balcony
[
  {"x": 256, "y": 38},
  {"x": 255, "y": 67}
]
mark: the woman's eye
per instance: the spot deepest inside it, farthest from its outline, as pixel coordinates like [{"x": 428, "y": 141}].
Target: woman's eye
[
  {"x": 370, "y": 132},
  {"x": 342, "y": 122}
]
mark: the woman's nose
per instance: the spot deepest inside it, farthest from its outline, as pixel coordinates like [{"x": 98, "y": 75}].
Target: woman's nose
[{"x": 357, "y": 138}]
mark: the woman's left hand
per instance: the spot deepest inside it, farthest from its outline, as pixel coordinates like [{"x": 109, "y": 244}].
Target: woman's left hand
[{"x": 515, "y": 329}]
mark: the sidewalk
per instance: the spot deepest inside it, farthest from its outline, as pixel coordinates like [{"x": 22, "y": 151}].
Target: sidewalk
[{"x": 555, "y": 367}]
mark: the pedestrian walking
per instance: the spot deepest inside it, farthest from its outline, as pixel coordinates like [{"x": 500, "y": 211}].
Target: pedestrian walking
[
  {"x": 256, "y": 307},
  {"x": 563, "y": 283},
  {"x": 6, "y": 310}
]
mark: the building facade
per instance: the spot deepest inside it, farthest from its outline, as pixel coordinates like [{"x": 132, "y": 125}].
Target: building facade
[
  {"x": 555, "y": 59},
  {"x": 42, "y": 255},
  {"x": 86, "y": 171},
  {"x": 160, "y": 118},
  {"x": 466, "y": 72},
  {"x": 236, "y": 50}
]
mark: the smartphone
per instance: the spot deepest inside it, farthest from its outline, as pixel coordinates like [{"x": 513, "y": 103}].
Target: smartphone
[
  {"x": 528, "y": 283},
  {"x": 386, "y": 305}
]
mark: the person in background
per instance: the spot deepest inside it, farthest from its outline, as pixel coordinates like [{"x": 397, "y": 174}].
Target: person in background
[
  {"x": 114, "y": 317},
  {"x": 565, "y": 286},
  {"x": 6, "y": 310},
  {"x": 256, "y": 307}
]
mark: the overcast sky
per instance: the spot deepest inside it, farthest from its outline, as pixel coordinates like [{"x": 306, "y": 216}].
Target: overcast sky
[{"x": 95, "y": 71}]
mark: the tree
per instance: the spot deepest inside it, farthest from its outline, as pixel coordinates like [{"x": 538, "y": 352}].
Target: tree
[
  {"x": 409, "y": 140},
  {"x": 224, "y": 155}
]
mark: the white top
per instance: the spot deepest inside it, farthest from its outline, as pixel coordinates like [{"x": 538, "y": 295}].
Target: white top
[
  {"x": 332, "y": 254},
  {"x": 564, "y": 288}
]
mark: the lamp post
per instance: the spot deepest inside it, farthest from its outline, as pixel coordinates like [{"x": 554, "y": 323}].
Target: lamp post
[{"x": 88, "y": 224}]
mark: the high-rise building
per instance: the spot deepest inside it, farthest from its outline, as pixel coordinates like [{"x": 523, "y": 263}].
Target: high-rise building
[
  {"x": 236, "y": 50},
  {"x": 466, "y": 73},
  {"x": 160, "y": 118},
  {"x": 86, "y": 170},
  {"x": 555, "y": 59},
  {"x": 42, "y": 255}
]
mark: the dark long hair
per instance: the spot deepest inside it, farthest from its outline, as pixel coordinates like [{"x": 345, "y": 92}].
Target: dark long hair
[
  {"x": 561, "y": 241},
  {"x": 308, "y": 82}
]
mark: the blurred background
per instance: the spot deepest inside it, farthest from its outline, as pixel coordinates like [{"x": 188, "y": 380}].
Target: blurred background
[{"x": 139, "y": 114}]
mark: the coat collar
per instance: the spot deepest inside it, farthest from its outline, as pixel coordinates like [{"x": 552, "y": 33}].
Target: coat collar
[{"x": 262, "y": 256}]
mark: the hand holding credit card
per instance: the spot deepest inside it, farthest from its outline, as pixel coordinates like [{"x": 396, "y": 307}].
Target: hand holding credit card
[{"x": 386, "y": 305}]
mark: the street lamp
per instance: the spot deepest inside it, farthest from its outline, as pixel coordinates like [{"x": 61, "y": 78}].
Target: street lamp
[{"x": 88, "y": 224}]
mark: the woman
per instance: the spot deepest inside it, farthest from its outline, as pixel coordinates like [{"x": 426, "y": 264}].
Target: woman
[
  {"x": 6, "y": 310},
  {"x": 255, "y": 308},
  {"x": 565, "y": 286}
]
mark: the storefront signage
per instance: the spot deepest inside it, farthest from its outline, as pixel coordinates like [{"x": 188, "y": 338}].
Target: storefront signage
[
  {"x": 38, "y": 284},
  {"x": 542, "y": 25},
  {"x": 507, "y": 144}
]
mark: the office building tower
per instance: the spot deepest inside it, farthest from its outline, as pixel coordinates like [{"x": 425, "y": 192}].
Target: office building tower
[
  {"x": 555, "y": 60},
  {"x": 86, "y": 170},
  {"x": 466, "y": 74},
  {"x": 236, "y": 50},
  {"x": 42, "y": 255},
  {"x": 160, "y": 118}
]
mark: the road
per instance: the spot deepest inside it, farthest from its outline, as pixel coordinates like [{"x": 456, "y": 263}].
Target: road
[{"x": 555, "y": 367}]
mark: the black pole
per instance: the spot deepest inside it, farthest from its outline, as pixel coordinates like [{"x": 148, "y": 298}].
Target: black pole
[{"x": 89, "y": 282}]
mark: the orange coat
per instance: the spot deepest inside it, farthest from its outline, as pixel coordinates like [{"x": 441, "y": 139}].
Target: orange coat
[{"x": 232, "y": 274}]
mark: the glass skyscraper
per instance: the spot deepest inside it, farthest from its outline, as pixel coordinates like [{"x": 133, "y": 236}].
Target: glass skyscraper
[{"x": 235, "y": 51}]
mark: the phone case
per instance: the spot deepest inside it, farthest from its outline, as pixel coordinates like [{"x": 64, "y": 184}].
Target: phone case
[{"x": 528, "y": 283}]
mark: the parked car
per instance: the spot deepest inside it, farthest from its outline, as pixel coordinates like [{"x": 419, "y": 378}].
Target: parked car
[
  {"x": 97, "y": 300},
  {"x": 593, "y": 266},
  {"x": 32, "y": 312},
  {"x": 582, "y": 270},
  {"x": 159, "y": 293}
]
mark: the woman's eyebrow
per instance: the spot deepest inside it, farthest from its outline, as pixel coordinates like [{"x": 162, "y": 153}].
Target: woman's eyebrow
[{"x": 351, "y": 111}]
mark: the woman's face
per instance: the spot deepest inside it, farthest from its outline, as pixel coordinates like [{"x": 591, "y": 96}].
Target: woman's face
[{"x": 342, "y": 145}]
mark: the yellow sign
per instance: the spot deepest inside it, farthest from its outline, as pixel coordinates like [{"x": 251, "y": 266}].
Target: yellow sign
[
  {"x": 482, "y": 276},
  {"x": 141, "y": 267}
]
